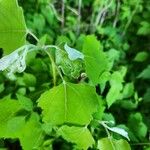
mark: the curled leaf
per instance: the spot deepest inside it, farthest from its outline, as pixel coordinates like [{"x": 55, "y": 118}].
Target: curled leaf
[
  {"x": 115, "y": 129},
  {"x": 73, "y": 54},
  {"x": 15, "y": 62}
]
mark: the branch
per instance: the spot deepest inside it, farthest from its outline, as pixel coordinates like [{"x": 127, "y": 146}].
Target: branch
[{"x": 116, "y": 13}]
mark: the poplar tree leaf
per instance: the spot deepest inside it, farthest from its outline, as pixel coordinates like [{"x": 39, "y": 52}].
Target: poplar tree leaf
[
  {"x": 12, "y": 26},
  {"x": 69, "y": 103},
  {"x": 145, "y": 74},
  {"x": 73, "y": 54},
  {"x": 81, "y": 136},
  {"x": 29, "y": 132},
  {"x": 31, "y": 136},
  {"x": 25, "y": 102},
  {"x": 116, "y": 81},
  {"x": 137, "y": 126},
  {"x": 141, "y": 56},
  {"x": 116, "y": 130},
  {"x": 128, "y": 90},
  {"x": 14, "y": 62},
  {"x": 112, "y": 144},
  {"x": 95, "y": 59},
  {"x": 8, "y": 109}
]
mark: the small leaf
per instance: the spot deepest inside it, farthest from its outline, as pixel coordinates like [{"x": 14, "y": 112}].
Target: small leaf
[
  {"x": 141, "y": 56},
  {"x": 25, "y": 102},
  {"x": 144, "y": 29},
  {"x": 145, "y": 74},
  {"x": 128, "y": 90},
  {"x": 116, "y": 86},
  {"x": 70, "y": 68},
  {"x": 136, "y": 124},
  {"x": 2, "y": 88},
  {"x": 81, "y": 136},
  {"x": 73, "y": 54},
  {"x": 29, "y": 79},
  {"x": 69, "y": 103},
  {"x": 95, "y": 59},
  {"x": 116, "y": 130},
  {"x": 112, "y": 144},
  {"x": 8, "y": 109}
]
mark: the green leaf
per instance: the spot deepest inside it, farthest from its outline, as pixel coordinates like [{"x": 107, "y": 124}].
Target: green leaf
[
  {"x": 8, "y": 109},
  {"x": 136, "y": 124},
  {"x": 70, "y": 68},
  {"x": 31, "y": 136},
  {"x": 112, "y": 144},
  {"x": 29, "y": 79},
  {"x": 12, "y": 26},
  {"x": 29, "y": 132},
  {"x": 145, "y": 74},
  {"x": 14, "y": 127},
  {"x": 39, "y": 22},
  {"x": 116, "y": 86},
  {"x": 141, "y": 56},
  {"x": 113, "y": 55},
  {"x": 95, "y": 59},
  {"x": 62, "y": 39},
  {"x": 144, "y": 29},
  {"x": 147, "y": 95},
  {"x": 128, "y": 90},
  {"x": 128, "y": 104},
  {"x": 105, "y": 76},
  {"x": 2, "y": 88},
  {"x": 81, "y": 136},
  {"x": 115, "y": 129},
  {"x": 25, "y": 102},
  {"x": 69, "y": 103}
]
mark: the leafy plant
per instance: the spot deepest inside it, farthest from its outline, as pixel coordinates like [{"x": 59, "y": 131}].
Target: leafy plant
[{"x": 66, "y": 91}]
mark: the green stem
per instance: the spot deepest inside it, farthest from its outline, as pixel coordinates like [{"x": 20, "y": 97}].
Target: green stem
[
  {"x": 108, "y": 134},
  {"x": 130, "y": 19},
  {"x": 134, "y": 144},
  {"x": 34, "y": 36},
  {"x": 54, "y": 66}
]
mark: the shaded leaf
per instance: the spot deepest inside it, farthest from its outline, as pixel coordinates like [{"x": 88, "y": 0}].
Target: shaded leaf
[
  {"x": 141, "y": 56},
  {"x": 136, "y": 124},
  {"x": 145, "y": 74}
]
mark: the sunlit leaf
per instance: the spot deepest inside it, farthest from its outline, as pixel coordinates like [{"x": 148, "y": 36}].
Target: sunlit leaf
[
  {"x": 12, "y": 27},
  {"x": 69, "y": 103},
  {"x": 81, "y": 136},
  {"x": 112, "y": 144},
  {"x": 95, "y": 59}
]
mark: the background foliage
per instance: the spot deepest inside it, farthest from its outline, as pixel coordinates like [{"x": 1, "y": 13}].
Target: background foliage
[{"x": 114, "y": 37}]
